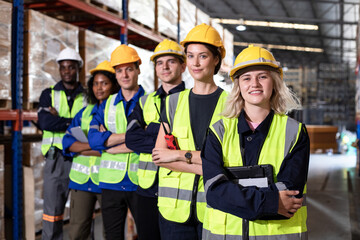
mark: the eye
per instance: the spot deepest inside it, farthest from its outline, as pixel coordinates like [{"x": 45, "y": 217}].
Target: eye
[
  {"x": 189, "y": 56},
  {"x": 159, "y": 63},
  {"x": 172, "y": 62},
  {"x": 203, "y": 56}
]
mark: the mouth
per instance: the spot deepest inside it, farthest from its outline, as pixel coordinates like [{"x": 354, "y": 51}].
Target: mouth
[
  {"x": 255, "y": 92},
  {"x": 196, "y": 70}
]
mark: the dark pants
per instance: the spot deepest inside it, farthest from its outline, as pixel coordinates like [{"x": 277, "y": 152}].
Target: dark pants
[
  {"x": 82, "y": 207},
  {"x": 114, "y": 208},
  {"x": 180, "y": 231},
  {"x": 56, "y": 183},
  {"x": 147, "y": 218}
]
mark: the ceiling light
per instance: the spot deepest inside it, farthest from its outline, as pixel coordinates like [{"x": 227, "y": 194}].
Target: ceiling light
[
  {"x": 267, "y": 24},
  {"x": 241, "y": 28},
  {"x": 282, "y": 47}
]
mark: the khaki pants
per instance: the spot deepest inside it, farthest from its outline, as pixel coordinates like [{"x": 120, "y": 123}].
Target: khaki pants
[{"x": 82, "y": 207}]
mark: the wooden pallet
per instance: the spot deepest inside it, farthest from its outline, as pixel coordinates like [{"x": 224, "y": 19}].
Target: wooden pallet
[
  {"x": 30, "y": 105},
  {"x": 5, "y": 104}
]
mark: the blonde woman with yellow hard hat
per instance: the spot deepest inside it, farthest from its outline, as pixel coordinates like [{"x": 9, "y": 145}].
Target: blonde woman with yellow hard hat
[
  {"x": 181, "y": 197},
  {"x": 257, "y": 137},
  {"x": 84, "y": 180}
]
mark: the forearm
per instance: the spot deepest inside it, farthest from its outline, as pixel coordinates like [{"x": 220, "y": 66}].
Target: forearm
[
  {"x": 183, "y": 167},
  {"x": 115, "y": 139},
  {"x": 79, "y": 147},
  {"x": 90, "y": 153},
  {"x": 119, "y": 149}
]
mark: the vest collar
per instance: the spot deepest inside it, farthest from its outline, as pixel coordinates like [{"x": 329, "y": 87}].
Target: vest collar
[
  {"x": 161, "y": 92},
  {"x": 263, "y": 128},
  {"x": 135, "y": 98}
]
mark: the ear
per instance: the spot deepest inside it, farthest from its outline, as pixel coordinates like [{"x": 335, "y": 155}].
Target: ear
[{"x": 183, "y": 67}]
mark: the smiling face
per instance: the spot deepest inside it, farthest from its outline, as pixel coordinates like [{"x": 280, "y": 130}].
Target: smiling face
[
  {"x": 201, "y": 62},
  {"x": 169, "y": 69},
  {"x": 102, "y": 87},
  {"x": 69, "y": 71},
  {"x": 256, "y": 88},
  {"x": 127, "y": 76}
]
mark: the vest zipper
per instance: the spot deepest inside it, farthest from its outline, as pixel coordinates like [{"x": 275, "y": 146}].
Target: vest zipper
[
  {"x": 194, "y": 196},
  {"x": 245, "y": 227}
]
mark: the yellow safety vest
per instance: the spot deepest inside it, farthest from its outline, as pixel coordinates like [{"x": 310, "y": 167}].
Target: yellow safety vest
[
  {"x": 177, "y": 190},
  {"x": 60, "y": 103},
  {"x": 114, "y": 166},
  {"x": 147, "y": 169},
  {"x": 282, "y": 137},
  {"x": 85, "y": 167}
]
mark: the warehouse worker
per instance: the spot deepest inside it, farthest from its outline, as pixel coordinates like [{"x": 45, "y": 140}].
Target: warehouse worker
[
  {"x": 256, "y": 131},
  {"x": 189, "y": 113},
  {"x": 58, "y": 105},
  {"x": 118, "y": 168},
  {"x": 84, "y": 179},
  {"x": 143, "y": 127}
]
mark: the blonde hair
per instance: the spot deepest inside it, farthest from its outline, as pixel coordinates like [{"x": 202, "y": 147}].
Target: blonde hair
[{"x": 282, "y": 100}]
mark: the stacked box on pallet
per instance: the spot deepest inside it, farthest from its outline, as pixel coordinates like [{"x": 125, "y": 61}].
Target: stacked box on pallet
[
  {"x": 5, "y": 51},
  {"x": 96, "y": 47},
  {"x": 2, "y": 192},
  {"x": 146, "y": 77},
  {"x": 114, "y": 4},
  {"x": 293, "y": 79},
  {"x": 202, "y": 17},
  {"x": 187, "y": 18},
  {"x": 44, "y": 38},
  {"x": 168, "y": 17},
  {"x": 143, "y": 11},
  {"x": 229, "y": 47}
]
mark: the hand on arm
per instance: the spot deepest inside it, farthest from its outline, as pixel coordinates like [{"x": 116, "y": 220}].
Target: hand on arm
[
  {"x": 174, "y": 159},
  {"x": 288, "y": 204},
  {"x": 83, "y": 149},
  {"x": 119, "y": 149},
  {"x": 115, "y": 139}
]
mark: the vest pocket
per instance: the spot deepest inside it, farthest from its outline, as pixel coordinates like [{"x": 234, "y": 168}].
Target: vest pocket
[{"x": 182, "y": 136}]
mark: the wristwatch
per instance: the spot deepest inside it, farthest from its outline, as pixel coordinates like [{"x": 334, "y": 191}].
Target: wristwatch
[{"x": 188, "y": 156}]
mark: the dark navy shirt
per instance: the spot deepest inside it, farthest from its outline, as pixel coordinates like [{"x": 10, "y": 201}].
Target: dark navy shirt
[
  {"x": 97, "y": 139},
  {"x": 143, "y": 140},
  {"x": 69, "y": 140},
  {"x": 252, "y": 202},
  {"x": 46, "y": 120}
]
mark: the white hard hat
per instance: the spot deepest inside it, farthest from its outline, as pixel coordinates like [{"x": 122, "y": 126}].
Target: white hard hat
[{"x": 69, "y": 54}]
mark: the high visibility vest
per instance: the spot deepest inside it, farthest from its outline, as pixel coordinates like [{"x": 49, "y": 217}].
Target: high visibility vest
[
  {"x": 281, "y": 138},
  {"x": 85, "y": 167},
  {"x": 147, "y": 169},
  {"x": 60, "y": 103},
  {"x": 177, "y": 190},
  {"x": 114, "y": 166}
]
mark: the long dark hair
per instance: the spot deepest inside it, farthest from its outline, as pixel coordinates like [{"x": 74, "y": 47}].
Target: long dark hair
[
  {"x": 90, "y": 93},
  {"x": 213, "y": 49}
]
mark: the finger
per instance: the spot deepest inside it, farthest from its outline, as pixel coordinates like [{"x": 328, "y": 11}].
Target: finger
[{"x": 292, "y": 192}]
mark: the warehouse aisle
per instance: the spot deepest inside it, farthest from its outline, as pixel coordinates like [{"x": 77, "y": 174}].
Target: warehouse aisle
[{"x": 333, "y": 197}]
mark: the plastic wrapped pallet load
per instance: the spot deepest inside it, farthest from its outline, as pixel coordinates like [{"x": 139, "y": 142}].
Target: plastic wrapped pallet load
[
  {"x": 5, "y": 50},
  {"x": 44, "y": 38},
  {"x": 187, "y": 18},
  {"x": 168, "y": 17},
  {"x": 143, "y": 11},
  {"x": 97, "y": 48},
  {"x": 2, "y": 193}
]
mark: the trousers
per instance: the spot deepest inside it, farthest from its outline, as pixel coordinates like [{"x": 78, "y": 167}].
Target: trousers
[
  {"x": 82, "y": 206},
  {"x": 56, "y": 182}
]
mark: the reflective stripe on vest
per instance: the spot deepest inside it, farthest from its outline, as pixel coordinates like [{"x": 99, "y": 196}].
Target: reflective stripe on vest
[
  {"x": 176, "y": 188},
  {"x": 85, "y": 167},
  {"x": 60, "y": 103},
  {"x": 114, "y": 166},
  {"x": 147, "y": 169},
  {"x": 282, "y": 136}
]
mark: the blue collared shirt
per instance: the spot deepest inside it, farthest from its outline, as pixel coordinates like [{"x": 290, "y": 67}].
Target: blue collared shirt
[
  {"x": 97, "y": 139},
  {"x": 69, "y": 140}
]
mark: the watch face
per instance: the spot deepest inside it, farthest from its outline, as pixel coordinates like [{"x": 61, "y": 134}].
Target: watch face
[{"x": 188, "y": 155}]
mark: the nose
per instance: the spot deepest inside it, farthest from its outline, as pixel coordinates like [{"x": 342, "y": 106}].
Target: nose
[
  {"x": 196, "y": 61},
  {"x": 255, "y": 82}
]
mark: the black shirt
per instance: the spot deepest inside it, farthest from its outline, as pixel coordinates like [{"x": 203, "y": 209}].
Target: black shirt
[{"x": 201, "y": 111}]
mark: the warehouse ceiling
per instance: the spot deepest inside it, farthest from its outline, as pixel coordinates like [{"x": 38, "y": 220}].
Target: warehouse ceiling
[{"x": 335, "y": 38}]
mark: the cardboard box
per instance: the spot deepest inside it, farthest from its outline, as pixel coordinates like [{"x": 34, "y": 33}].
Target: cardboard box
[
  {"x": 5, "y": 50},
  {"x": 322, "y": 137}
]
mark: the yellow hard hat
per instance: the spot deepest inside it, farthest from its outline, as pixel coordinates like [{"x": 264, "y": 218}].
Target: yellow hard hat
[
  {"x": 103, "y": 66},
  {"x": 255, "y": 56},
  {"x": 124, "y": 54},
  {"x": 168, "y": 47},
  {"x": 204, "y": 33}
]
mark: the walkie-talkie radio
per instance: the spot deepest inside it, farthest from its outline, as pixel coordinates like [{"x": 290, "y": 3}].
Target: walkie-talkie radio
[{"x": 169, "y": 138}]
